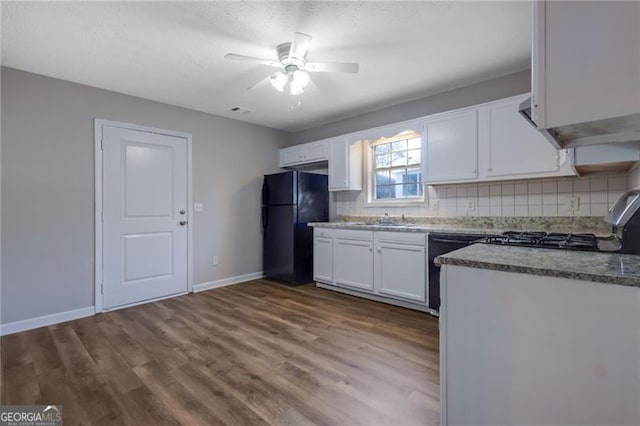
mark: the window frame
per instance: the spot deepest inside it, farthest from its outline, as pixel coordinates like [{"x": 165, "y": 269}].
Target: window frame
[{"x": 410, "y": 132}]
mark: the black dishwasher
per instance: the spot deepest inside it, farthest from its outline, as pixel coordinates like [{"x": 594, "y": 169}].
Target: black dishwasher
[{"x": 441, "y": 244}]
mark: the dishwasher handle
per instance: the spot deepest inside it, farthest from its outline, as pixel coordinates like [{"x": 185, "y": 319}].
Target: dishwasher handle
[{"x": 447, "y": 241}]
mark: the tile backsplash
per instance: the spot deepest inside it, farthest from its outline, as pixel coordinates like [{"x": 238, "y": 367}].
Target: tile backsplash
[{"x": 521, "y": 198}]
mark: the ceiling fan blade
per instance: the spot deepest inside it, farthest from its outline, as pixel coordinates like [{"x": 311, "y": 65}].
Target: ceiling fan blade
[
  {"x": 348, "y": 67},
  {"x": 299, "y": 45},
  {"x": 260, "y": 83},
  {"x": 243, "y": 58}
]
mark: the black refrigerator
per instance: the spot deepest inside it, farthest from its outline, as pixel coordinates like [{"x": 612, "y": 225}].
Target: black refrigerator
[{"x": 290, "y": 200}]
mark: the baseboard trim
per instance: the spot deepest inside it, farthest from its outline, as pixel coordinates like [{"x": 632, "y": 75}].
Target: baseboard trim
[
  {"x": 43, "y": 321},
  {"x": 381, "y": 299},
  {"x": 227, "y": 281}
]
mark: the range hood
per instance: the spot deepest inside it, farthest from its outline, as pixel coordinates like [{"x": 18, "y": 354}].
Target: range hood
[{"x": 608, "y": 130}]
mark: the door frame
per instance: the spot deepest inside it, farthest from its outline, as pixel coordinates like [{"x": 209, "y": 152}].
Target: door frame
[{"x": 98, "y": 259}]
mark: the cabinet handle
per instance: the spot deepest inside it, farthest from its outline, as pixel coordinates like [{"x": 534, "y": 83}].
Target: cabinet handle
[
  {"x": 379, "y": 250},
  {"x": 489, "y": 169},
  {"x": 475, "y": 171},
  {"x": 370, "y": 249}
]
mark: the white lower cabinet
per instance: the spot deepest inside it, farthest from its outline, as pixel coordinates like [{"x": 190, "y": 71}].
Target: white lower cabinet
[
  {"x": 400, "y": 266},
  {"x": 323, "y": 255},
  {"x": 353, "y": 259},
  {"x": 385, "y": 266}
]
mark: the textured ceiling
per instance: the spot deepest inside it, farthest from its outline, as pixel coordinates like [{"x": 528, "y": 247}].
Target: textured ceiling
[{"x": 173, "y": 52}]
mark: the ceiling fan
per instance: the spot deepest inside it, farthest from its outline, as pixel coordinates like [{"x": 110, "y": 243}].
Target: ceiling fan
[{"x": 293, "y": 66}]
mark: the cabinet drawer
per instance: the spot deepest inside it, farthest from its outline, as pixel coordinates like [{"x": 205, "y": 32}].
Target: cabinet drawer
[
  {"x": 322, "y": 232},
  {"x": 343, "y": 234},
  {"x": 410, "y": 238}
]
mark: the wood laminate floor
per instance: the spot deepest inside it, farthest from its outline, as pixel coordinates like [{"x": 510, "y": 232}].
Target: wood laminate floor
[{"x": 249, "y": 354}]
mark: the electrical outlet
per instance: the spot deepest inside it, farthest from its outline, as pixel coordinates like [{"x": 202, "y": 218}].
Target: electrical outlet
[
  {"x": 573, "y": 204},
  {"x": 198, "y": 207},
  {"x": 215, "y": 260},
  {"x": 471, "y": 204}
]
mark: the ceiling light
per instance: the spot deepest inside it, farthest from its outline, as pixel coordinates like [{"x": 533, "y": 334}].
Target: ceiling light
[
  {"x": 299, "y": 81},
  {"x": 278, "y": 81}
]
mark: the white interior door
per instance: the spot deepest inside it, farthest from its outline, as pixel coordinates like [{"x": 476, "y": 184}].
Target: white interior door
[{"x": 144, "y": 216}]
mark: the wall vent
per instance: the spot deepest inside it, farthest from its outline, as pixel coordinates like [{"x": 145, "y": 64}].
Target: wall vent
[{"x": 242, "y": 110}]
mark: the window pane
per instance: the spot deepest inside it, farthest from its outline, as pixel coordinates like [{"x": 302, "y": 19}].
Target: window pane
[
  {"x": 383, "y": 192},
  {"x": 412, "y": 190},
  {"x": 383, "y": 161},
  {"x": 399, "y": 158},
  {"x": 415, "y": 143},
  {"x": 384, "y": 148},
  {"x": 414, "y": 156},
  {"x": 398, "y": 145},
  {"x": 397, "y": 176},
  {"x": 413, "y": 175},
  {"x": 382, "y": 177}
]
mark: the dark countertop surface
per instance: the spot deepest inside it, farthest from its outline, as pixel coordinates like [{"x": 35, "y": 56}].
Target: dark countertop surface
[{"x": 610, "y": 268}]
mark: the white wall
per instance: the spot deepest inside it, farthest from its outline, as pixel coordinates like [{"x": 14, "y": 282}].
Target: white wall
[
  {"x": 485, "y": 91},
  {"x": 48, "y": 189}
]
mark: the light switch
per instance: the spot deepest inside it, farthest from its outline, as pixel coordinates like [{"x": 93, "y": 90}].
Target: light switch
[{"x": 198, "y": 207}]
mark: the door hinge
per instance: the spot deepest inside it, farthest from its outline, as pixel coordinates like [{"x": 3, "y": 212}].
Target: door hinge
[
  {"x": 102, "y": 289},
  {"x": 101, "y": 144},
  {"x": 101, "y": 216}
]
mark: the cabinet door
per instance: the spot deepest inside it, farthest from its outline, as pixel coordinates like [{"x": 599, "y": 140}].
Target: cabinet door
[
  {"x": 314, "y": 152},
  {"x": 513, "y": 146},
  {"x": 323, "y": 259},
  {"x": 452, "y": 147},
  {"x": 345, "y": 164},
  {"x": 338, "y": 164},
  {"x": 291, "y": 156},
  {"x": 400, "y": 271},
  {"x": 585, "y": 62},
  {"x": 353, "y": 264}
]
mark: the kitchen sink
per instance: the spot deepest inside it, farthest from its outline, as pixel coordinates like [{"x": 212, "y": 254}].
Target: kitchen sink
[{"x": 394, "y": 224}]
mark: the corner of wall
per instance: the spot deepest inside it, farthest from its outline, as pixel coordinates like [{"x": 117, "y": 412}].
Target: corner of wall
[{"x": 634, "y": 177}]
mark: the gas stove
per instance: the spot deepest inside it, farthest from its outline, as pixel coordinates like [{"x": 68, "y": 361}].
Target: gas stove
[{"x": 587, "y": 242}]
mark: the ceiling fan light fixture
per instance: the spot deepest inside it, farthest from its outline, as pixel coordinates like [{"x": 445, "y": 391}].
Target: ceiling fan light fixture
[
  {"x": 299, "y": 81},
  {"x": 295, "y": 90},
  {"x": 300, "y": 78},
  {"x": 279, "y": 80}
]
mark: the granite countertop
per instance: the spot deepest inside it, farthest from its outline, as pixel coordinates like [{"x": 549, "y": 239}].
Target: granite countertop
[
  {"x": 473, "y": 224},
  {"x": 424, "y": 228},
  {"x": 611, "y": 268}
]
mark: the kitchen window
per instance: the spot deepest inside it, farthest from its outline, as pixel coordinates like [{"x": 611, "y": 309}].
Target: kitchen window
[{"x": 396, "y": 169}]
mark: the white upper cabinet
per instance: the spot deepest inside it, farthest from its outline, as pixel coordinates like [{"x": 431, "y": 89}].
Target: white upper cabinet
[
  {"x": 451, "y": 145},
  {"x": 291, "y": 156},
  {"x": 490, "y": 141},
  {"x": 308, "y": 153},
  {"x": 585, "y": 61},
  {"x": 511, "y": 147},
  {"x": 345, "y": 164}
]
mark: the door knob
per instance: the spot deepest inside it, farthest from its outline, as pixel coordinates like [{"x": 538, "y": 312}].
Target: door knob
[
  {"x": 183, "y": 222},
  {"x": 182, "y": 211}
]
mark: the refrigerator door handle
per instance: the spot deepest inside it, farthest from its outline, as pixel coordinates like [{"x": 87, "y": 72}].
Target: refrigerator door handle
[
  {"x": 265, "y": 219},
  {"x": 265, "y": 193}
]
